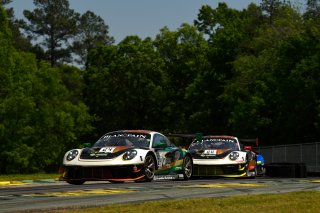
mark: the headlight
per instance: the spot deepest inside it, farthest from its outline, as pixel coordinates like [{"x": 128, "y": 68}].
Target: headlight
[
  {"x": 129, "y": 155},
  {"x": 234, "y": 155},
  {"x": 72, "y": 155}
]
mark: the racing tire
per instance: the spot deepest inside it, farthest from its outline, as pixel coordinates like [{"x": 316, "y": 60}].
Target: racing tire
[
  {"x": 76, "y": 182},
  {"x": 149, "y": 168},
  {"x": 261, "y": 171},
  {"x": 187, "y": 167}
]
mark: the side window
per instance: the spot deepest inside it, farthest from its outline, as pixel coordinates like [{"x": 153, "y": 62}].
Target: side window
[
  {"x": 159, "y": 139},
  {"x": 169, "y": 142}
]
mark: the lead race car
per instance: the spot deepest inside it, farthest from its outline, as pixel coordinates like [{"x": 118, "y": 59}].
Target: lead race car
[
  {"x": 127, "y": 155},
  {"x": 223, "y": 156}
]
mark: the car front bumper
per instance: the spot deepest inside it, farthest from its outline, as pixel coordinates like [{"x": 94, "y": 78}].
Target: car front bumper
[
  {"x": 116, "y": 173},
  {"x": 220, "y": 170}
]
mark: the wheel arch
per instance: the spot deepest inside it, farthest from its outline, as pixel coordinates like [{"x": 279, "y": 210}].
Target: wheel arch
[{"x": 154, "y": 157}]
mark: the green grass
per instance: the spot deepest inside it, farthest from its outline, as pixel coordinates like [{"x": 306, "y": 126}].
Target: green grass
[
  {"x": 17, "y": 177},
  {"x": 304, "y": 201}
]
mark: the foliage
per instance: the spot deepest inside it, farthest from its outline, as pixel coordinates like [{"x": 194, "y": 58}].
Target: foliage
[
  {"x": 125, "y": 85},
  {"x": 19, "y": 40},
  {"x": 63, "y": 35},
  {"x": 185, "y": 56},
  {"x": 52, "y": 25},
  {"x": 264, "y": 91},
  {"x": 38, "y": 120},
  {"x": 92, "y": 33},
  {"x": 250, "y": 73},
  {"x": 303, "y": 201}
]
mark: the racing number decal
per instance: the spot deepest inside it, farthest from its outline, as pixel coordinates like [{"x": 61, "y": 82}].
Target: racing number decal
[
  {"x": 107, "y": 149},
  {"x": 210, "y": 152}
]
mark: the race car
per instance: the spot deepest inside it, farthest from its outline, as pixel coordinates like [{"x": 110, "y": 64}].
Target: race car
[
  {"x": 127, "y": 155},
  {"x": 222, "y": 156}
]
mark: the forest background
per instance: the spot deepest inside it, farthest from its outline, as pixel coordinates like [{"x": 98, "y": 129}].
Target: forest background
[{"x": 250, "y": 73}]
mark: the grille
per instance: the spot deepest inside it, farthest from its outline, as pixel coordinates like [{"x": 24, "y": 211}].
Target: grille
[
  {"x": 97, "y": 156},
  {"x": 215, "y": 170}
]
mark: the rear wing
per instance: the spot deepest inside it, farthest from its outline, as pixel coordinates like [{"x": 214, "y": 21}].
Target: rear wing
[
  {"x": 185, "y": 139},
  {"x": 197, "y": 136},
  {"x": 249, "y": 141}
]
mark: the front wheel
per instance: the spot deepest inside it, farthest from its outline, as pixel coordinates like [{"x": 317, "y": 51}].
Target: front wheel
[
  {"x": 76, "y": 182},
  {"x": 149, "y": 168},
  {"x": 187, "y": 167}
]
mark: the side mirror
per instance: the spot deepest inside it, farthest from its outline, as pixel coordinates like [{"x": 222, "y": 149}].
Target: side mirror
[
  {"x": 86, "y": 145},
  {"x": 199, "y": 136}
]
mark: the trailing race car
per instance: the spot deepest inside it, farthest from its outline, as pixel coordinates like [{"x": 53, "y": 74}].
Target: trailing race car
[
  {"x": 222, "y": 156},
  {"x": 127, "y": 155}
]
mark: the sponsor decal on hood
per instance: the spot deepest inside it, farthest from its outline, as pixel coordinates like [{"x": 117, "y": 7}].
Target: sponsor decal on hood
[
  {"x": 104, "y": 152},
  {"x": 112, "y": 149}
]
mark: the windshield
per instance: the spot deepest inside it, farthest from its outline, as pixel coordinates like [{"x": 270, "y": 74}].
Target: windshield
[
  {"x": 215, "y": 143},
  {"x": 124, "y": 139}
]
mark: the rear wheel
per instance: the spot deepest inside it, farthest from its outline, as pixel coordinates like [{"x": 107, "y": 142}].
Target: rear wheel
[
  {"x": 187, "y": 167},
  {"x": 261, "y": 170},
  {"x": 76, "y": 182},
  {"x": 149, "y": 168}
]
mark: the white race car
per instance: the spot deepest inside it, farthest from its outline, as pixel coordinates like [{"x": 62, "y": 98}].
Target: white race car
[
  {"x": 127, "y": 155},
  {"x": 222, "y": 156}
]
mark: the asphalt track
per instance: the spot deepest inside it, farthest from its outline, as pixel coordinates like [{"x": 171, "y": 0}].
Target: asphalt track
[{"x": 17, "y": 196}]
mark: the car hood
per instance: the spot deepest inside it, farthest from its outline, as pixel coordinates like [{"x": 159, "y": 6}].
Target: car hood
[
  {"x": 210, "y": 153},
  {"x": 104, "y": 152}
]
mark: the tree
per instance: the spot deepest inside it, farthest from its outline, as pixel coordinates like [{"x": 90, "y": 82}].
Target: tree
[
  {"x": 19, "y": 40},
  {"x": 230, "y": 34},
  {"x": 38, "y": 122},
  {"x": 72, "y": 79},
  {"x": 5, "y": 53},
  {"x": 231, "y": 31},
  {"x": 9, "y": 11},
  {"x": 92, "y": 33},
  {"x": 312, "y": 10},
  {"x": 271, "y": 7},
  {"x": 267, "y": 96},
  {"x": 52, "y": 24},
  {"x": 185, "y": 56},
  {"x": 125, "y": 86}
]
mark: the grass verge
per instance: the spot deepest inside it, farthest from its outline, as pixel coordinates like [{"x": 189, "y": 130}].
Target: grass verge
[
  {"x": 294, "y": 202},
  {"x": 17, "y": 177}
]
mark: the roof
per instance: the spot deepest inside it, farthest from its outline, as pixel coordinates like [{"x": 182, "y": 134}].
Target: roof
[{"x": 142, "y": 131}]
